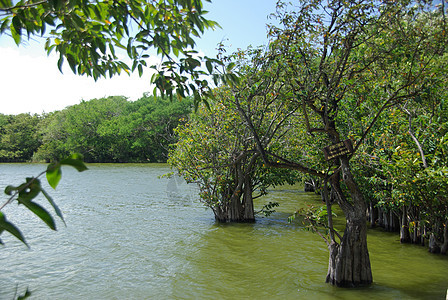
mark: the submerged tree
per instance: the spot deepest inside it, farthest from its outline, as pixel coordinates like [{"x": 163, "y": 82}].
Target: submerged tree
[
  {"x": 215, "y": 150},
  {"x": 332, "y": 59},
  {"x": 405, "y": 169}
]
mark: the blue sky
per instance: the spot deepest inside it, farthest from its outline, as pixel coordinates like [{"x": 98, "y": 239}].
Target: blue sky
[
  {"x": 243, "y": 22},
  {"x": 30, "y": 81}
]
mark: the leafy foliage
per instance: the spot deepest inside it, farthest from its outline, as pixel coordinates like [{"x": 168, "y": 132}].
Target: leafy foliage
[
  {"x": 18, "y": 137},
  {"x": 268, "y": 209},
  {"x": 93, "y": 37},
  {"x": 403, "y": 167},
  {"x": 109, "y": 129}
]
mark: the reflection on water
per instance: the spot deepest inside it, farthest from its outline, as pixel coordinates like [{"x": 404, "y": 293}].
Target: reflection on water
[{"x": 132, "y": 235}]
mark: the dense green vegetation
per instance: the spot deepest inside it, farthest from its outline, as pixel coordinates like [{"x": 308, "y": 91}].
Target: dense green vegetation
[
  {"x": 215, "y": 151},
  {"x": 403, "y": 169},
  {"x": 371, "y": 72},
  {"x": 102, "y": 130},
  {"x": 18, "y": 137}
]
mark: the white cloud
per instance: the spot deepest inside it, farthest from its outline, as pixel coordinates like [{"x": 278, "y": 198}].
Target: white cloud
[{"x": 32, "y": 83}]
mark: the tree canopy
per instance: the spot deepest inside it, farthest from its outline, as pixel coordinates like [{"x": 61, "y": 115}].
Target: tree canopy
[
  {"x": 216, "y": 151},
  {"x": 95, "y": 37},
  {"x": 109, "y": 129}
]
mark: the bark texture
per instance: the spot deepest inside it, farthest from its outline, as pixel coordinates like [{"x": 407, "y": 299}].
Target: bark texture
[{"x": 349, "y": 263}]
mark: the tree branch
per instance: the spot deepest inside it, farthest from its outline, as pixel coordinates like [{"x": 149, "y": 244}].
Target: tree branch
[
  {"x": 23, "y": 6},
  {"x": 411, "y": 133}
]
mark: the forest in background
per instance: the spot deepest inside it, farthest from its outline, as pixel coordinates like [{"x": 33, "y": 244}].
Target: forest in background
[{"x": 110, "y": 129}]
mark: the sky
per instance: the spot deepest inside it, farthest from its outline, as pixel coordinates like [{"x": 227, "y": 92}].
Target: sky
[{"x": 30, "y": 81}]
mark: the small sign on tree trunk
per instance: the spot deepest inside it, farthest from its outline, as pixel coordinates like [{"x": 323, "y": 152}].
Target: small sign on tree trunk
[{"x": 338, "y": 149}]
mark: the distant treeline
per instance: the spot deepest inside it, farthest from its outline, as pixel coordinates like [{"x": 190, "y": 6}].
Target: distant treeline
[{"x": 109, "y": 129}]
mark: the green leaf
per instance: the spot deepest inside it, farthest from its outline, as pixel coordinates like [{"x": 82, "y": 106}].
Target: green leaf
[
  {"x": 209, "y": 66},
  {"x": 16, "y": 36},
  {"x": 5, "y": 3},
  {"x": 60, "y": 62},
  {"x": 49, "y": 20},
  {"x": 9, "y": 227},
  {"x": 72, "y": 62},
  {"x": 76, "y": 161},
  {"x": 97, "y": 12},
  {"x": 29, "y": 190},
  {"x": 4, "y": 26},
  {"x": 10, "y": 189},
  {"x": 40, "y": 212},
  {"x": 17, "y": 25},
  {"x": 102, "y": 45},
  {"x": 140, "y": 70},
  {"x": 230, "y": 66},
  {"x": 55, "y": 207},
  {"x": 54, "y": 175},
  {"x": 55, "y": 3},
  {"x": 77, "y": 21}
]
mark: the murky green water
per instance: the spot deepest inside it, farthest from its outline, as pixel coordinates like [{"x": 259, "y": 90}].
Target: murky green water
[{"x": 130, "y": 235}]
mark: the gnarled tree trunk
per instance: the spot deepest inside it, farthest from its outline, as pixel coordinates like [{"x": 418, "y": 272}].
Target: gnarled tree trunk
[{"x": 349, "y": 263}]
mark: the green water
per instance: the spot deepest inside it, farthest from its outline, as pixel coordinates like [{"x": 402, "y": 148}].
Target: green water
[{"x": 131, "y": 235}]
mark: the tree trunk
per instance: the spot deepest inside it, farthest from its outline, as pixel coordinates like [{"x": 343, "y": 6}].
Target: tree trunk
[
  {"x": 308, "y": 187},
  {"x": 415, "y": 233},
  {"x": 433, "y": 246},
  {"x": 423, "y": 234},
  {"x": 391, "y": 221},
  {"x": 444, "y": 248},
  {"x": 220, "y": 213},
  {"x": 386, "y": 221},
  {"x": 235, "y": 209},
  {"x": 239, "y": 206},
  {"x": 380, "y": 217},
  {"x": 349, "y": 263},
  {"x": 372, "y": 214},
  {"x": 405, "y": 236},
  {"x": 396, "y": 221},
  {"x": 248, "y": 203}
]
